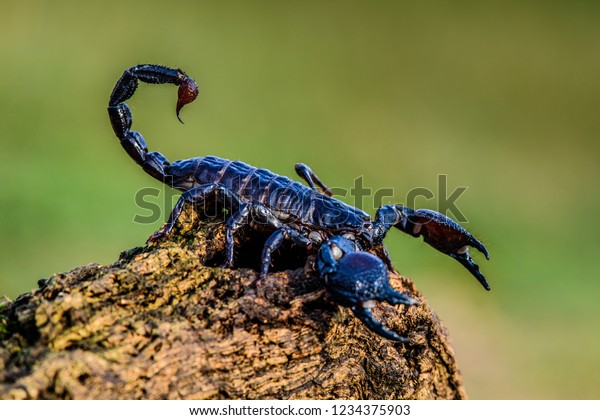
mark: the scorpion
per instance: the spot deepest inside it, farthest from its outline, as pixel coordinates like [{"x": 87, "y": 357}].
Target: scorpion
[{"x": 351, "y": 257}]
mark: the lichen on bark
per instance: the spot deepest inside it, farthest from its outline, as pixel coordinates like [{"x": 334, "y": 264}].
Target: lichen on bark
[{"x": 165, "y": 322}]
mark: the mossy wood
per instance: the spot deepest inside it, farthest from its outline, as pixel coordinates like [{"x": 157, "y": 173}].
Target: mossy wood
[{"x": 163, "y": 322}]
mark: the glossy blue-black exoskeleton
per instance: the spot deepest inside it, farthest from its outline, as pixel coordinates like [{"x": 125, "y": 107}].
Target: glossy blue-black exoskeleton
[{"x": 308, "y": 216}]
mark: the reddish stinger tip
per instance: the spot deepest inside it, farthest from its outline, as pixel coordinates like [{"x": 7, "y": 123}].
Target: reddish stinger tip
[{"x": 188, "y": 92}]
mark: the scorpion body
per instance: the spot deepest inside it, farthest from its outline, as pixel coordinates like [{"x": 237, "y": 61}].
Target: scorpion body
[
  {"x": 305, "y": 209},
  {"x": 306, "y": 215}
]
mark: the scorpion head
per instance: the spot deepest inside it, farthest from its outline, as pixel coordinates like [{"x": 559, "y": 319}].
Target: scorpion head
[{"x": 357, "y": 279}]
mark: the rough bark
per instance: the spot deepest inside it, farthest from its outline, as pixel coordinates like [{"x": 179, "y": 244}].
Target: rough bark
[{"x": 163, "y": 322}]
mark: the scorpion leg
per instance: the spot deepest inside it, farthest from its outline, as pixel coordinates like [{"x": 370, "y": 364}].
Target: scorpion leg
[
  {"x": 438, "y": 230},
  {"x": 311, "y": 178},
  {"x": 235, "y": 222},
  {"x": 274, "y": 242},
  {"x": 190, "y": 196},
  {"x": 197, "y": 196}
]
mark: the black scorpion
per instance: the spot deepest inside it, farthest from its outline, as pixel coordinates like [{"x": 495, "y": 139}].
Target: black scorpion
[{"x": 309, "y": 217}]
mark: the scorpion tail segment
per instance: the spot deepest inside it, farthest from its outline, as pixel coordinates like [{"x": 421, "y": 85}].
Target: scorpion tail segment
[
  {"x": 366, "y": 316},
  {"x": 187, "y": 93},
  {"x": 119, "y": 113},
  {"x": 154, "y": 74},
  {"x": 147, "y": 73}
]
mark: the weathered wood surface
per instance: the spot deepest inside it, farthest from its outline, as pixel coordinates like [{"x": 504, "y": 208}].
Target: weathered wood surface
[{"x": 159, "y": 323}]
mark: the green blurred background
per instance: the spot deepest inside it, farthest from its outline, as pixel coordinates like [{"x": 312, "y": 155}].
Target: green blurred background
[{"x": 503, "y": 97}]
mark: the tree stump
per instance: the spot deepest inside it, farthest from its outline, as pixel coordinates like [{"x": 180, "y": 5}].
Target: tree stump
[{"x": 163, "y": 322}]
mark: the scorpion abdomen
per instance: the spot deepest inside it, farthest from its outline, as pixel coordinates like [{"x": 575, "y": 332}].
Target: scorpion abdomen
[{"x": 288, "y": 199}]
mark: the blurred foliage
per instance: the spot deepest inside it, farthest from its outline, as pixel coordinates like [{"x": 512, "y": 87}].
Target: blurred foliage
[{"x": 503, "y": 97}]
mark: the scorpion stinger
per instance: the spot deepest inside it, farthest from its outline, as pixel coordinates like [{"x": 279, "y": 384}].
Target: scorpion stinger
[
  {"x": 357, "y": 279},
  {"x": 438, "y": 230}
]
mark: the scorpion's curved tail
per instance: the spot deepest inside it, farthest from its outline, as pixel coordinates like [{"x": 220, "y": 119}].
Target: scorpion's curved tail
[{"x": 153, "y": 163}]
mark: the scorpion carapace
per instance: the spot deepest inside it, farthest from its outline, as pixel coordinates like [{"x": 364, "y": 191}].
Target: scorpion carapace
[{"x": 344, "y": 237}]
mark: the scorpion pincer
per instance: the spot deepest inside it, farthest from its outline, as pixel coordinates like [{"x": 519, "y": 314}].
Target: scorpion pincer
[{"x": 344, "y": 237}]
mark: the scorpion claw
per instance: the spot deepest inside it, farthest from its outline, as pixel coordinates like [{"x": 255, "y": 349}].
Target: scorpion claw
[
  {"x": 481, "y": 248},
  {"x": 467, "y": 262},
  {"x": 445, "y": 235},
  {"x": 357, "y": 279},
  {"x": 396, "y": 298},
  {"x": 367, "y": 318}
]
